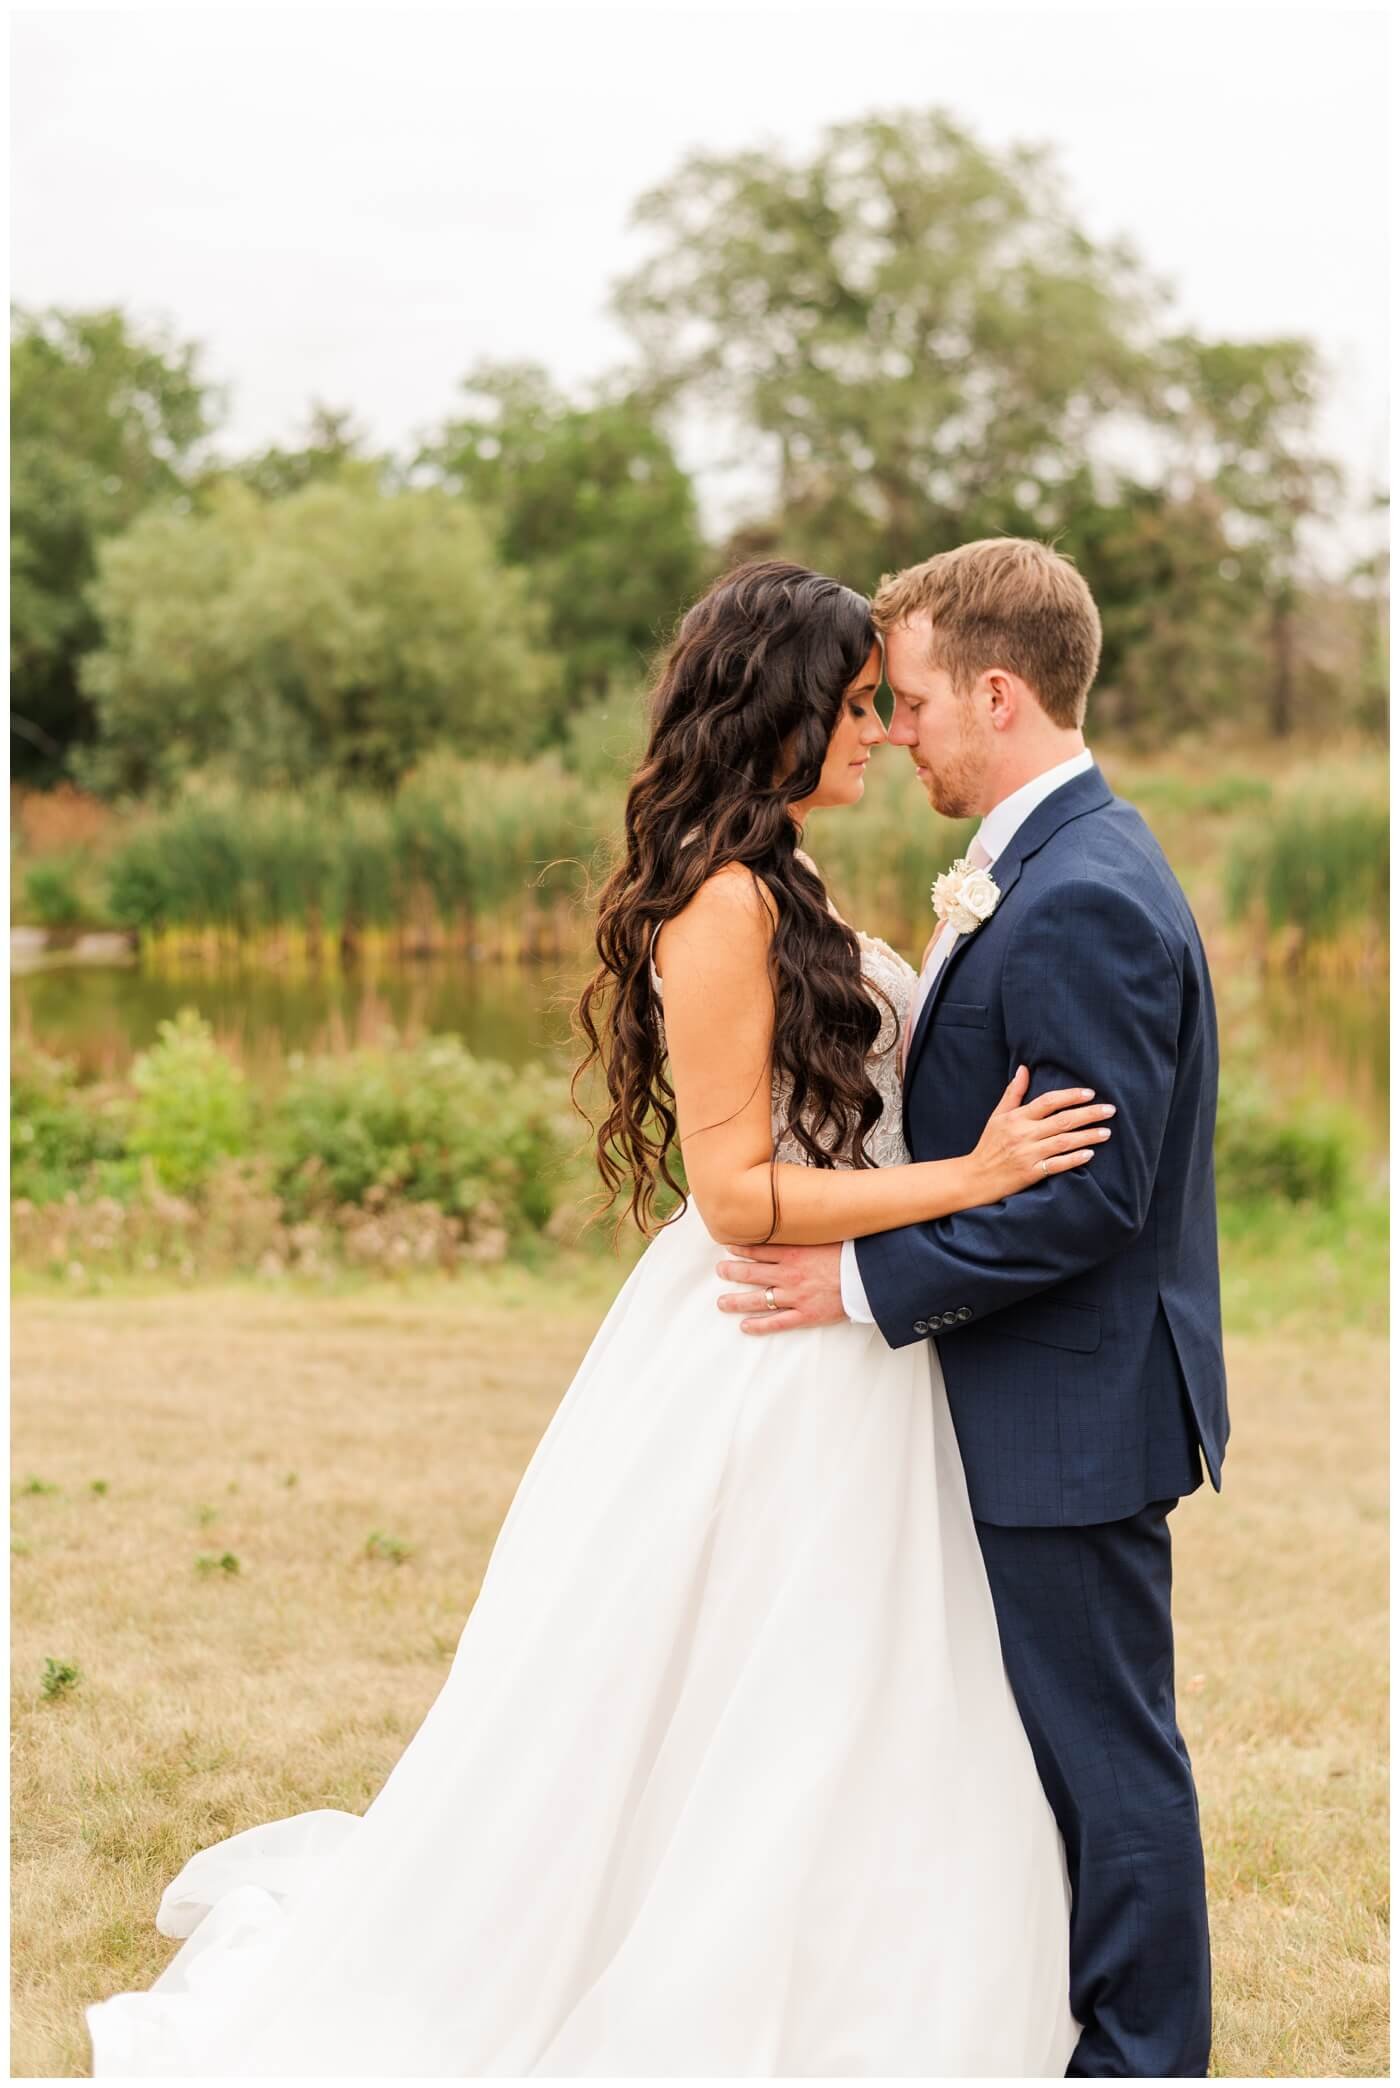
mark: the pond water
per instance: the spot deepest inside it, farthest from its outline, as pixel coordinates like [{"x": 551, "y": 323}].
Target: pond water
[
  {"x": 1325, "y": 1037},
  {"x": 103, "y": 1014}
]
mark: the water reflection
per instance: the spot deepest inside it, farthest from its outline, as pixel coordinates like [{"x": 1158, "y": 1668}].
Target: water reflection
[
  {"x": 1319, "y": 1035},
  {"x": 103, "y": 1016}
]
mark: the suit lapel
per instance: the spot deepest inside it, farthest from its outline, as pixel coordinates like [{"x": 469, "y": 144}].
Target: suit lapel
[{"x": 1086, "y": 793}]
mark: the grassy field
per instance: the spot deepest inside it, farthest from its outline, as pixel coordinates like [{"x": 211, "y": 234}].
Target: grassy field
[{"x": 353, "y": 1454}]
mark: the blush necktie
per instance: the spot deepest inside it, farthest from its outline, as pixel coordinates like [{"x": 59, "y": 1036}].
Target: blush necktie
[{"x": 978, "y": 859}]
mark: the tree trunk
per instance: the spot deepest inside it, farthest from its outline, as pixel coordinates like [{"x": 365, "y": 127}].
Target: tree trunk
[{"x": 1281, "y": 634}]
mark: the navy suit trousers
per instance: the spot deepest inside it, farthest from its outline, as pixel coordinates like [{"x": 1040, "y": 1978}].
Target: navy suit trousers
[{"x": 1085, "y": 1620}]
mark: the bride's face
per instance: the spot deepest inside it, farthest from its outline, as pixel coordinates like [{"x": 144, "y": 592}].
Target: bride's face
[{"x": 857, "y": 732}]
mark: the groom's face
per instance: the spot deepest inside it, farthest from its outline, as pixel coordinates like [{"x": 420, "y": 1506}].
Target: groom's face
[{"x": 948, "y": 734}]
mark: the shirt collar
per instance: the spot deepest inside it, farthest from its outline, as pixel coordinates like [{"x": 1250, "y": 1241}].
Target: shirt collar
[{"x": 1004, "y": 819}]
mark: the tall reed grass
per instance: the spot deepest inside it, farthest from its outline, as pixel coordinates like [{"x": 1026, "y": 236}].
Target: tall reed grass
[
  {"x": 488, "y": 858},
  {"x": 1315, "y": 876},
  {"x": 496, "y": 859},
  {"x": 477, "y": 856}
]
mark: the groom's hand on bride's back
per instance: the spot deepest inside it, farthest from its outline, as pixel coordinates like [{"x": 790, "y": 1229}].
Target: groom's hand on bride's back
[{"x": 805, "y": 1283}]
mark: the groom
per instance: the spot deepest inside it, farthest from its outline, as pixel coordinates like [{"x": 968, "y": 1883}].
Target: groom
[{"x": 1078, "y": 1324}]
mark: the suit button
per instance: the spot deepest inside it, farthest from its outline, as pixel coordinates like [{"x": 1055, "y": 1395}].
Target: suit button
[
  {"x": 921, "y": 1326},
  {"x": 948, "y": 1319},
  {"x": 964, "y": 1312}
]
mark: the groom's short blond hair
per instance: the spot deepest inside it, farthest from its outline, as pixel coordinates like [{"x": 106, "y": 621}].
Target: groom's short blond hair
[{"x": 1004, "y": 602}]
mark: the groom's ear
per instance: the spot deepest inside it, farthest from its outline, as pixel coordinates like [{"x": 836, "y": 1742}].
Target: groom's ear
[{"x": 1006, "y": 696}]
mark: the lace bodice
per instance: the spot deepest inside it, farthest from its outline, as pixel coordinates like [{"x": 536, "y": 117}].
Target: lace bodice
[{"x": 884, "y": 968}]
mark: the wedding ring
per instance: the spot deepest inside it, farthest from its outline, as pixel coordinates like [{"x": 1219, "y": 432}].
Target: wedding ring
[
  {"x": 769, "y": 1300},
  {"x": 1043, "y": 1168}
]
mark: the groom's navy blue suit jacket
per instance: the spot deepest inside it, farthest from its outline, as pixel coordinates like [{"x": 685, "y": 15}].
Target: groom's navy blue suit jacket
[{"x": 1078, "y": 1323}]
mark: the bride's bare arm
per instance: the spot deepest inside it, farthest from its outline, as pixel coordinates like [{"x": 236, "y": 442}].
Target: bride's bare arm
[{"x": 713, "y": 958}]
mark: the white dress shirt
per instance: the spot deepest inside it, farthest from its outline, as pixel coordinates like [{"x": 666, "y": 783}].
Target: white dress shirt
[{"x": 996, "y": 830}]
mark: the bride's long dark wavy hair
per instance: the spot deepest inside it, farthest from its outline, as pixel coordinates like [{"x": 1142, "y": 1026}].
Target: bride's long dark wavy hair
[{"x": 753, "y": 684}]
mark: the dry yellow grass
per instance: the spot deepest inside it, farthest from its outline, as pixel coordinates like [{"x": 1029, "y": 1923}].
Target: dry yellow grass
[{"x": 209, "y": 1701}]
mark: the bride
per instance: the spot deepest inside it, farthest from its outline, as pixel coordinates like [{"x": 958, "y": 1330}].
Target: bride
[{"x": 725, "y": 1777}]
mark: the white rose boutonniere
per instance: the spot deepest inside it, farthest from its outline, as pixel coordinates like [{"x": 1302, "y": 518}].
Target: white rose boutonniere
[{"x": 965, "y": 896}]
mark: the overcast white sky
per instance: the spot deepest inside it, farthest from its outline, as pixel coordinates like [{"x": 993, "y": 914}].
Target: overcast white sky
[{"x": 356, "y": 204}]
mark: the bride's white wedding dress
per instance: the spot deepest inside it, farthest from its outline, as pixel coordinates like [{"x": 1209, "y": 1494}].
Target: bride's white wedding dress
[{"x": 725, "y": 1777}]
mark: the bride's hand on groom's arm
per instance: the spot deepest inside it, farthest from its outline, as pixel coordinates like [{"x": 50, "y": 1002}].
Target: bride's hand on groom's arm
[{"x": 1024, "y": 1143}]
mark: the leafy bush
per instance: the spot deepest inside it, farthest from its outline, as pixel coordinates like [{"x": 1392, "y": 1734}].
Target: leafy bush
[
  {"x": 61, "y": 1134},
  {"x": 1303, "y": 1154},
  {"x": 342, "y": 629},
  {"x": 51, "y": 895},
  {"x": 192, "y": 1108},
  {"x": 138, "y": 884},
  {"x": 391, "y": 1159},
  {"x": 428, "y": 1123}
]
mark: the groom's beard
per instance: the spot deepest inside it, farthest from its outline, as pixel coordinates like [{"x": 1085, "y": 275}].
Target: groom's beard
[
  {"x": 955, "y": 788},
  {"x": 955, "y": 778}
]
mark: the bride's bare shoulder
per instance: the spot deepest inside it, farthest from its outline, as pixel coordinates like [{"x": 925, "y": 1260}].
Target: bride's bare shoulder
[{"x": 733, "y": 911}]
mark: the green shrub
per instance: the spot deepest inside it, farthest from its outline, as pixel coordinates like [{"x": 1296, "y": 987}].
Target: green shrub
[
  {"x": 62, "y": 1136},
  {"x": 51, "y": 895},
  {"x": 1304, "y": 1153},
  {"x": 192, "y": 1104},
  {"x": 428, "y": 1123},
  {"x": 138, "y": 883}
]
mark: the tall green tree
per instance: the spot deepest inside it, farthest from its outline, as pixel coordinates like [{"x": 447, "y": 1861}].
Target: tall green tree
[
  {"x": 1182, "y": 643},
  {"x": 1368, "y": 599},
  {"x": 915, "y": 343},
  {"x": 1244, "y": 415},
  {"x": 332, "y": 439},
  {"x": 922, "y": 338},
  {"x": 341, "y": 631},
  {"x": 106, "y": 419},
  {"x": 590, "y": 502}
]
